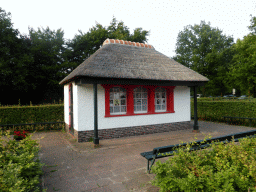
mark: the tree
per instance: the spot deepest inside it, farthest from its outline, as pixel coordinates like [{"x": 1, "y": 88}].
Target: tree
[
  {"x": 47, "y": 48},
  {"x": 84, "y": 45},
  {"x": 252, "y": 27},
  {"x": 242, "y": 73},
  {"x": 206, "y": 50},
  {"x": 14, "y": 60},
  {"x": 33, "y": 65}
]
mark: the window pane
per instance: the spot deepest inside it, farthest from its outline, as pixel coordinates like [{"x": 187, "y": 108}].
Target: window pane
[
  {"x": 158, "y": 107},
  {"x": 135, "y": 108},
  {"x": 144, "y": 107},
  {"x": 123, "y": 109},
  {"x": 163, "y": 95},
  {"x": 116, "y": 89},
  {"x": 163, "y": 107},
  {"x": 144, "y": 90},
  {"x": 123, "y": 95},
  {"x": 111, "y": 102},
  {"x": 144, "y": 95},
  {"x": 111, "y": 96},
  {"x": 138, "y": 95},
  {"x": 116, "y": 109},
  {"x": 122, "y": 102},
  {"x": 144, "y": 101},
  {"x": 157, "y": 101},
  {"x": 116, "y": 95},
  {"x": 157, "y": 95},
  {"x": 111, "y": 109},
  {"x": 138, "y": 108},
  {"x": 163, "y": 101},
  {"x": 138, "y": 102},
  {"x": 116, "y": 102}
]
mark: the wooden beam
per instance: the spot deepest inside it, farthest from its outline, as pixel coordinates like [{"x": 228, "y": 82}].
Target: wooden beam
[{"x": 91, "y": 80}]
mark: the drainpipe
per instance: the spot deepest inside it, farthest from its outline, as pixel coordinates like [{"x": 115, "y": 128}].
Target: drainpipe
[
  {"x": 95, "y": 139},
  {"x": 195, "y": 128}
]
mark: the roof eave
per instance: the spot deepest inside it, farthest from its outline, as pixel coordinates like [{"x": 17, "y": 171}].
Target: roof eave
[{"x": 100, "y": 80}]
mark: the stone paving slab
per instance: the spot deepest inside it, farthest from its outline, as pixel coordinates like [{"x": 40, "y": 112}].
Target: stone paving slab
[{"x": 116, "y": 165}]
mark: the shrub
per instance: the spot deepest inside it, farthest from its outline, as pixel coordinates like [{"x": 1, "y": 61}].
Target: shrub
[
  {"x": 225, "y": 167},
  {"x": 19, "y": 167}
]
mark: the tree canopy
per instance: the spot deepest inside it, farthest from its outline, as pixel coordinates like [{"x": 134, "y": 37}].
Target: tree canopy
[
  {"x": 83, "y": 45},
  {"x": 242, "y": 73},
  {"x": 33, "y": 65},
  {"x": 208, "y": 51}
]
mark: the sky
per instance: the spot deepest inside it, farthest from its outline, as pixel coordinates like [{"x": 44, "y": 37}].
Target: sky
[{"x": 163, "y": 19}]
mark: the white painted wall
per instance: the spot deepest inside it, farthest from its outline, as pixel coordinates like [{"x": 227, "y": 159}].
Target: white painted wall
[
  {"x": 66, "y": 120},
  {"x": 75, "y": 106},
  {"x": 66, "y": 105},
  {"x": 85, "y": 109}
]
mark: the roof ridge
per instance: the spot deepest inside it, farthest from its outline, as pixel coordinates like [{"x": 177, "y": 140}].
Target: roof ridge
[{"x": 122, "y": 42}]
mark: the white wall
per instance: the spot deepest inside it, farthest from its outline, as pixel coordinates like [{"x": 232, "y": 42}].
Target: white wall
[
  {"x": 75, "y": 106},
  {"x": 66, "y": 120},
  {"x": 86, "y": 110},
  {"x": 66, "y": 105},
  {"x": 85, "y": 107}
]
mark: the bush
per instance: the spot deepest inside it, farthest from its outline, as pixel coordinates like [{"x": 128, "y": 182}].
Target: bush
[
  {"x": 216, "y": 110},
  {"x": 19, "y": 167},
  {"x": 225, "y": 167}
]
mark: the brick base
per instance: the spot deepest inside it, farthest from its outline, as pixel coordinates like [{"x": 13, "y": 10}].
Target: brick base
[{"x": 84, "y": 136}]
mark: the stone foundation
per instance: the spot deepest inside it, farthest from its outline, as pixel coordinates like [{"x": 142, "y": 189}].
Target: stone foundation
[{"x": 84, "y": 136}]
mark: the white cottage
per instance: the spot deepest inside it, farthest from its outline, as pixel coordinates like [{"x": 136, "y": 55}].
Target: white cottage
[{"x": 127, "y": 89}]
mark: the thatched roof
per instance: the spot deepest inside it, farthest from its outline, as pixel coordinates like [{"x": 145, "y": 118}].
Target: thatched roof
[{"x": 124, "y": 59}]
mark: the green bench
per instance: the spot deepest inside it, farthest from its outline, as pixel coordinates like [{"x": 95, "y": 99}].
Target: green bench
[{"x": 161, "y": 152}]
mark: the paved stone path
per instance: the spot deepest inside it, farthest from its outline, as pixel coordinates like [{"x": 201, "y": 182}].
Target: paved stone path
[{"x": 116, "y": 165}]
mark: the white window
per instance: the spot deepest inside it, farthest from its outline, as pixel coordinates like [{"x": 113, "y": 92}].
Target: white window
[
  {"x": 140, "y": 96},
  {"x": 160, "y": 99},
  {"x": 117, "y": 100}
]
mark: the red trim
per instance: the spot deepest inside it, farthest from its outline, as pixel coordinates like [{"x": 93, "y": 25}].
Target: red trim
[
  {"x": 130, "y": 103},
  {"x": 107, "y": 111},
  {"x": 129, "y": 99}
]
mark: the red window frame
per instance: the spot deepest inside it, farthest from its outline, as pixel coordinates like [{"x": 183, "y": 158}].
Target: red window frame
[{"x": 130, "y": 101}]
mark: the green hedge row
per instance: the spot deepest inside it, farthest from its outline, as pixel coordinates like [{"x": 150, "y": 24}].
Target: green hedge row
[
  {"x": 31, "y": 114},
  {"x": 223, "y": 167},
  {"x": 214, "y": 111},
  {"x": 20, "y": 168},
  {"x": 207, "y": 110}
]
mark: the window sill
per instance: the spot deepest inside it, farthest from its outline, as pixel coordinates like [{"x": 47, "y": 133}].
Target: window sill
[{"x": 135, "y": 114}]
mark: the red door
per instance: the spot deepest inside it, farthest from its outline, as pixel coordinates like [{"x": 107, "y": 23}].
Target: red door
[{"x": 71, "y": 127}]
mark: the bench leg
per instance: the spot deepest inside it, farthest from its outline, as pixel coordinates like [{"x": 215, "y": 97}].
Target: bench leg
[
  {"x": 152, "y": 162},
  {"x": 148, "y": 167}
]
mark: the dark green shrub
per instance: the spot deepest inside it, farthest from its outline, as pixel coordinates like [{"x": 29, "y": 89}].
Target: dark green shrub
[
  {"x": 215, "y": 110},
  {"x": 20, "y": 168},
  {"x": 222, "y": 167}
]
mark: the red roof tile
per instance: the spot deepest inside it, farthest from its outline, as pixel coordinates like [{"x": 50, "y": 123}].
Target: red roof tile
[{"x": 122, "y": 42}]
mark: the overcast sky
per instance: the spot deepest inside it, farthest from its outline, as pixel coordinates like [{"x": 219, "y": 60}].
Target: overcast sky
[{"x": 164, "y": 19}]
